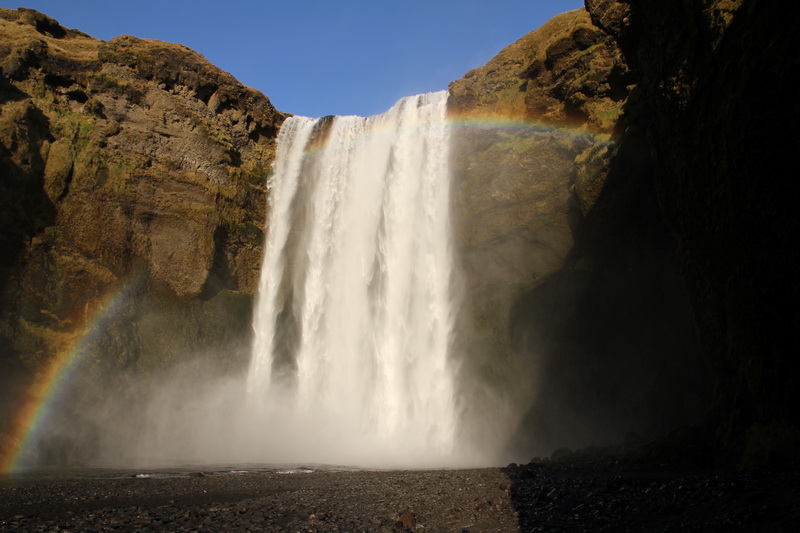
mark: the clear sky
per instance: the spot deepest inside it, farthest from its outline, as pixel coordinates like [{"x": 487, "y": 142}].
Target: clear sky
[{"x": 322, "y": 57}]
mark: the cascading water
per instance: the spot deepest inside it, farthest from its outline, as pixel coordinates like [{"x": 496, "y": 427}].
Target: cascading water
[{"x": 354, "y": 320}]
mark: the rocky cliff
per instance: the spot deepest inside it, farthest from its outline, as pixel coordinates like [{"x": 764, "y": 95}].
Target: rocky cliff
[
  {"x": 133, "y": 171},
  {"x": 579, "y": 317},
  {"x": 718, "y": 115},
  {"x": 627, "y": 226}
]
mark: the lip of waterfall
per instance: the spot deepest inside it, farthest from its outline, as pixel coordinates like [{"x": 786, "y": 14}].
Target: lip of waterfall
[{"x": 353, "y": 324}]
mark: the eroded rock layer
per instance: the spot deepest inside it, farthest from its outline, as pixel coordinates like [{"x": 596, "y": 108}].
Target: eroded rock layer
[{"x": 134, "y": 172}]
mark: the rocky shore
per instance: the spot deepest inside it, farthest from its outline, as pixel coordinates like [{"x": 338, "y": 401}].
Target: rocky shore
[{"x": 559, "y": 495}]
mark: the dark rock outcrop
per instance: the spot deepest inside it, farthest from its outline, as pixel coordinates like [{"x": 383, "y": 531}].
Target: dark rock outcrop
[
  {"x": 133, "y": 171},
  {"x": 719, "y": 115},
  {"x": 514, "y": 153}
]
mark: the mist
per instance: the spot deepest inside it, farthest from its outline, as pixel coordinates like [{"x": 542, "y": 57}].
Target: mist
[
  {"x": 354, "y": 359},
  {"x": 543, "y": 328}
]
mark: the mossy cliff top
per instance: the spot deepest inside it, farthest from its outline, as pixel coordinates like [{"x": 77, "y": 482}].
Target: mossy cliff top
[
  {"x": 567, "y": 73},
  {"x": 127, "y": 159}
]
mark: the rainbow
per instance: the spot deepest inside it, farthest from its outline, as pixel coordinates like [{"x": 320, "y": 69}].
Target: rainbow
[
  {"x": 491, "y": 122},
  {"x": 51, "y": 381}
]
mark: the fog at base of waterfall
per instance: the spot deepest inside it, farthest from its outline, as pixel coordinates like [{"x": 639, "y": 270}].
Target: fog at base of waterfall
[{"x": 352, "y": 359}]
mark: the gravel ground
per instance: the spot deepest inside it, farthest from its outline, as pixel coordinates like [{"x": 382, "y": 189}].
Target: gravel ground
[
  {"x": 597, "y": 495},
  {"x": 613, "y": 495},
  {"x": 432, "y": 500}
]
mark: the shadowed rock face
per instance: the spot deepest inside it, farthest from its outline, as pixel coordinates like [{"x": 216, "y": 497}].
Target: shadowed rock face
[
  {"x": 129, "y": 164},
  {"x": 721, "y": 125},
  {"x": 578, "y": 316},
  {"x": 533, "y": 127}
]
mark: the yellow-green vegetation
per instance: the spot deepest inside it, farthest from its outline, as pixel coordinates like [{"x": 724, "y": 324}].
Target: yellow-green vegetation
[
  {"x": 606, "y": 117},
  {"x": 219, "y": 135},
  {"x": 102, "y": 81},
  {"x": 564, "y": 74},
  {"x": 75, "y": 126}
]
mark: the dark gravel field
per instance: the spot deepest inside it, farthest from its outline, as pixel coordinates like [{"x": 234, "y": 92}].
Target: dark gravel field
[
  {"x": 439, "y": 500},
  {"x": 598, "y": 495}
]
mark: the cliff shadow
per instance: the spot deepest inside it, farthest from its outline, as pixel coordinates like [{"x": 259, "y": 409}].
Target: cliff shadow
[
  {"x": 25, "y": 211},
  {"x": 611, "y": 332}
]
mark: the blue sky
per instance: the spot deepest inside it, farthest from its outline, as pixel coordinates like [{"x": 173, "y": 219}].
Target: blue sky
[{"x": 315, "y": 57}]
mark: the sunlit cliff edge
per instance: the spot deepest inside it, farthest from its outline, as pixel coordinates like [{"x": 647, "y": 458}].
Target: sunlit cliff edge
[{"x": 126, "y": 159}]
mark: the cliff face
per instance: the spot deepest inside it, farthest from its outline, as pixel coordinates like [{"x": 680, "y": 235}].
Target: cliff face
[
  {"x": 719, "y": 118},
  {"x": 578, "y": 314},
  {"x": 129, "y": 167},
  {"x": 645, "y": 279},
  {"x": 524, "y": 124}
]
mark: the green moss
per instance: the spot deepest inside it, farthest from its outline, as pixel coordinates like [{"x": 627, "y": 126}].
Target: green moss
[
  {"x": 607, "y": 119},
  {"x": 103, "y": 81},
  {"x": 517, "y": 146},
  {"x": 77, "y": 127},
  {"x": 218, "y": 135}
]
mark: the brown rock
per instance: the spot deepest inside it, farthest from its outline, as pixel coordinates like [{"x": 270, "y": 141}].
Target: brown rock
[
  {"x": 131, "y": 159},
  {"x": 406, "y": 520}
]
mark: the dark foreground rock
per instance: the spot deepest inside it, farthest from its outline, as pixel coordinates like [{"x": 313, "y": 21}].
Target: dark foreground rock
[
  {"x": 574, "y": 494},
  {"x": 605, "y": 496}
]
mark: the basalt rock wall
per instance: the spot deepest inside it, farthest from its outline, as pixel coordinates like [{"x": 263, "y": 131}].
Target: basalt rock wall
[
  {"x": 133, "y": 190},
  {"x": 719, "y": 118}
]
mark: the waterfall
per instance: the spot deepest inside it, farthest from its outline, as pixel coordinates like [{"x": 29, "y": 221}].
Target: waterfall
[{"x": 354, "y": 316}]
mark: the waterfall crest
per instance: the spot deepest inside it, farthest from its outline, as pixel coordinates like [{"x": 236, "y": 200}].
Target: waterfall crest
[{"x": 354, "y": 318}]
